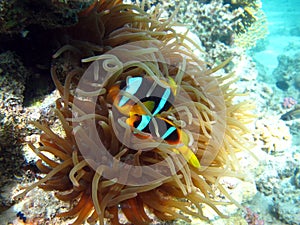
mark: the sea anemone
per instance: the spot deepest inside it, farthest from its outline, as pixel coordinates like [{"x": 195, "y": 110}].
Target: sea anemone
[{"x": 98, "y": 163}]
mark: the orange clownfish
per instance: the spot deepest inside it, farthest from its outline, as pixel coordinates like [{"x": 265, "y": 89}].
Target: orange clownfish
[
  {"x": 155, "y": 98},
  {"x": 166, "y": 131}
]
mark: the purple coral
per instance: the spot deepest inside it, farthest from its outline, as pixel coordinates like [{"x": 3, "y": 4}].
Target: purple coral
[
  {"x": 252, "y": 218},
  {"x": 289, "y": 102}
]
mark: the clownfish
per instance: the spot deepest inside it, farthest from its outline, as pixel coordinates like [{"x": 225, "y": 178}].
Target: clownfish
[
  {"x": 155, "y": 97},
  {"x": 166, "y": 131}
]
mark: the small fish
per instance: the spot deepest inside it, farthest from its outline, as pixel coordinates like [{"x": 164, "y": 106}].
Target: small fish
[
  {"x": 166, "y": 131},
  {"x": 292, "y": 114},
  {"x": 155, "y": 97}
]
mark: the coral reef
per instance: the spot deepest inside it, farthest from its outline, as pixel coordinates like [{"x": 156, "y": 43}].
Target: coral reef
[
  {"x": 287, "y": 70},
  {"x": 274, "y": 137},
  {"x": 25, "y": 36},
  {"x": 277, "y": 201},
  {"x": 12, "y": 120},
  {"x": 30, "y": 29},
  {"x": 215, "y": 32},
  {"x": 13, "y": 78},
  {"x": 277, "y": 182},
  {"x": 252, "y": 218},
  {"x": 17, "y": 15},
  {"x": 289, "y": 102},
  {"x": 90, "y": 181},
  {"x": 257, "y": 30},
  {"x": 286, "y": 74},
  {"x": 245, "y": 67},
  {"x": 219, "y": 25},
  {"x": 248, "y": 15},
  {"x": 33, "y": 37}
]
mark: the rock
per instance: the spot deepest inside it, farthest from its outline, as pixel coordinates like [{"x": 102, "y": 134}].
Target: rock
[
  {"x": 12, "y": 122},
  {"x": 279, "y": 183},
  {"x": 12, "y": 86},
  {"x": 287, "y": 212},
  {"x": 17, "y": 15},
  {"x": 286, "y": 71}
]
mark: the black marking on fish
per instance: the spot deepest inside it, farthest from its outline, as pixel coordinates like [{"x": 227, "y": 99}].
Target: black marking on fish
[{"x": 166, "y": 130}]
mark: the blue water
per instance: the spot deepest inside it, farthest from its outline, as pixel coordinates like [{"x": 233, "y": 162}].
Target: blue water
[
  {"x": 281, "y": 15},
  {"x": 283, "y": 39},
  {"x": 284, "y": 29}
]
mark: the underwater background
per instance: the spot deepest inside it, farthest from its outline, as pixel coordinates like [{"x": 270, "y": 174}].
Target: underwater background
[
  {"x": 266, "y": 61},
  {"x": 283, "y": 34}
]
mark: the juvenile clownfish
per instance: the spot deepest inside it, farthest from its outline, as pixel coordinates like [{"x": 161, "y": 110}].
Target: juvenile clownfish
[
  {"x": 166, "y": 131},
  {"x": 155, "y": 97}
]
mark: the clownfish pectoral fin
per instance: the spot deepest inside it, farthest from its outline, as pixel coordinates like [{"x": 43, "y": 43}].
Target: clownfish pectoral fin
[
  {"x": 189, "y": 156},
  {"x": 149, "y": 105},
  {"x": 113, "y": 93}
]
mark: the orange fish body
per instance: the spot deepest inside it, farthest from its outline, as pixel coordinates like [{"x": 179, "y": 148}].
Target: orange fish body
[
  {"x": 142, "y": 99},
  {"x": 166, "y": 131}
]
